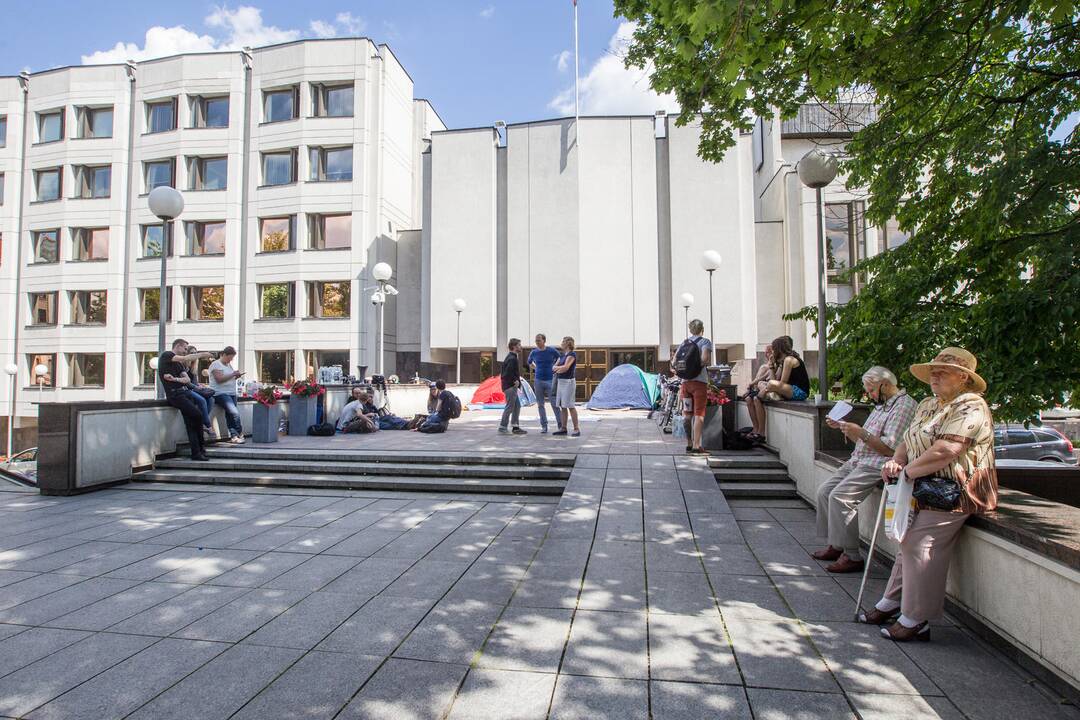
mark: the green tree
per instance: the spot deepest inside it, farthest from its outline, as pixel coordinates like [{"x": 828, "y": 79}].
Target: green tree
[{"x": 969, "y": 149}]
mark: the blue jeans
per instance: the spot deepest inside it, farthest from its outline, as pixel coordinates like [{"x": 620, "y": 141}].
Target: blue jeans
[
  {"x": 434, "y": 424},
  {"x": 232, "y": 414},
  {"x": 204, "y": 404},
  {"x": 392, "y": 422},
  {"x": 545, "y": 391}
]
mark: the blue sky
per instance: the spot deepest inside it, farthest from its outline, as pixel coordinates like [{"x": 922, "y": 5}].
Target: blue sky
[{"x": 478, "y": 61}]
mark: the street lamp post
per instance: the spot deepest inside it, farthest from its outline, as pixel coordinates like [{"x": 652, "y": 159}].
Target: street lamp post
[
  {"x": 459, "y": 306},
  {"x": 41, "y": 371},
  {"x": 710, "y": 261},
  {"x": 381, "y": 273},
  {"x": 687, "y": 301},
  {"x": 11, "y": 369},
  {"x": 816, "y": 170},
  {"x": 166, "y": 203}
]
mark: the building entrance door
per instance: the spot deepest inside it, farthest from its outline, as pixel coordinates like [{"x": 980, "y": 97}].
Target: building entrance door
[{"x": 591, "y": 368}]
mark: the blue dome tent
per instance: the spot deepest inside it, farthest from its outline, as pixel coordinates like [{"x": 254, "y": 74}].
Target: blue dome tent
[{"x": 626, "y": 386}]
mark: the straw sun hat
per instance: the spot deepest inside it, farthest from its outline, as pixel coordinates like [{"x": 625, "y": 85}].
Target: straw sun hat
[{"x": 955, "y": 358}]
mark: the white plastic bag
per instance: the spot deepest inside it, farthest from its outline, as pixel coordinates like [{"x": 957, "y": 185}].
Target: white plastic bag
[{"x": 900, "y": 507}]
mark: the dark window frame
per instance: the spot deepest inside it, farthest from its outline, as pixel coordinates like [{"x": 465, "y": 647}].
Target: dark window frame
[
  {"x": 293, "y": 169},
  {"x": 290, "y": 310},
  {"x": 79, "y": 302},
  {"x": 42, "y": 114},
  {"x": 146, "y": 173},
  {"x": 81, "y": 241},
  {"x": 195, "y": 232},
  {"x": 197, "y": 172},
  {"x": 35, "y": 238},
  {"x": 84, "y": 120},
  {"x": 38, "y": 172},
  {"x": 294, "y": 90},
  {"x": 53, "y": 308},
  {"x": 199, "y": 112},
  {"x": 74, "y": 364},
  {"x": 168, "y": 304},
  {"x": 85, "y": 182},
  {"x": 292, "y": 233},
  {"x": 193, "y": 303},
  {"x": 174, "y": 104},
  {"x": 320, "y": 98},
  {"x": 315, "y": 292}
]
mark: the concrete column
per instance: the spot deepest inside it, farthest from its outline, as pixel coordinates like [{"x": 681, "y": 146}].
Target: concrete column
[
  {"x": 502, "y": 289},
  {"x": 663, "y": 240}
]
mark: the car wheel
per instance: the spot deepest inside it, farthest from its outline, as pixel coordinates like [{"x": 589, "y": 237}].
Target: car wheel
[{"x": 1051, "y": 458}]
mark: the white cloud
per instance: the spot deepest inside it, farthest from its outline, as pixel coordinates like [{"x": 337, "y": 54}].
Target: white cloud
[
  {"x": 562, "y": 60},
  {"x": 609, "y": 88},
  {"x": 228, "y": 29},
  {"x": 487, "y": 12}
]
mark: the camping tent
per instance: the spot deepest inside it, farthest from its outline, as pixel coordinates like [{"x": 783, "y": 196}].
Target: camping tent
[
  {"x": 491, "y": 396},
  {"x": 626, "y": 386}
]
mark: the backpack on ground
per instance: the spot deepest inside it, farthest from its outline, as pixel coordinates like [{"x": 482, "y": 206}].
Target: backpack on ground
[
  {"x": 321, "y": 429},
  {"x": 360, "y": 424},
  {"x": 454, "y": 410},
  {"x": 737, "y": 441},
  {"x": 688, "y": 363}
]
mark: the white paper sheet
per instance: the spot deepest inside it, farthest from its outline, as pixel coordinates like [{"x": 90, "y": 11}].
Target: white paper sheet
[{"x": 840, "y": 410}]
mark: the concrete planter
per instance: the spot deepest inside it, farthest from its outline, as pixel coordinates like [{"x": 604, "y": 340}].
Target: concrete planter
[
  {"x": 302, "y": 413},
  {"x": 712, "y": 435},
  {"x": 264, "y": 423}
]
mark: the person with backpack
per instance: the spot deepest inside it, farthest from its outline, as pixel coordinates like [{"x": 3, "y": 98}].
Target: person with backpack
[
  {"x": 511, "y": 381},
  {"x": 566, "y": 390},
  {"x": 691, "y": 360},
  {"x": 447, "y": 407}
]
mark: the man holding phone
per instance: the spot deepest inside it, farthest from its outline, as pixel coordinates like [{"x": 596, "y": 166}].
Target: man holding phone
[{"x": 223, "y": 381}]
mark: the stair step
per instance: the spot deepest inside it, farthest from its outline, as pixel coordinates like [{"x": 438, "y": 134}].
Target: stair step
[
  {"x": 226, "y": 462},
  {"x": 758, "y": 490},
  {"x": 389, "y": 456},
  {"x": 357, "y": 482},
  {"x": 762, "y": 461},
  {"x": 752, "y": 475}
]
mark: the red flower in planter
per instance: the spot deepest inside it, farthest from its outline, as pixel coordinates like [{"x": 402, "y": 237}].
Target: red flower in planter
[
  {"x": 716, "y": 396},
  {"x": 267, "y": 395},
  {"x": 306, "y": 388}
]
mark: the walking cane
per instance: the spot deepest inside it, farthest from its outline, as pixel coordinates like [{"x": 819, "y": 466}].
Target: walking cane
[{"x": 870, "y": 556}]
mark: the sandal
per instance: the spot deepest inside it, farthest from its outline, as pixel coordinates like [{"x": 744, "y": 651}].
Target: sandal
[{"x": 900, "y": 633}]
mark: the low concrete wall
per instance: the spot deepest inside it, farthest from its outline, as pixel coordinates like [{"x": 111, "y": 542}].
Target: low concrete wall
[
  {"x": 406, "y": 400},
  {"x": 1026, "y": 598}
]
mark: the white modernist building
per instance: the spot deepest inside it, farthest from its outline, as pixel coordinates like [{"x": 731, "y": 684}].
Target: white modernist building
[{"x": 303, "y": 165}]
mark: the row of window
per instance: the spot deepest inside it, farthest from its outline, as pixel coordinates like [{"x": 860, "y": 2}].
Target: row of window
[
  {"x": 201, "y": 237},
  {"x": 323, "y": 299},
  {"x": 88, "y": 369}
]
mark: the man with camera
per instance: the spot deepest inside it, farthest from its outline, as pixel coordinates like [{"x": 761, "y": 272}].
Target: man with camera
[{"x": 178, "y": 385}]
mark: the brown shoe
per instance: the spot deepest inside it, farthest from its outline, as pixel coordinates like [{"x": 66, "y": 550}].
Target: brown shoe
[
  {"x": 899, "y": 633},
  {"x": 879, "y": 617},
  {"x": 830, "y": 553},
  {"x": 846, "y": 565}
]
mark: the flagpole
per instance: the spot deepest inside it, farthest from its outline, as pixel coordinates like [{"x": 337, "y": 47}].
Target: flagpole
[{"x": 577, "y": 92}]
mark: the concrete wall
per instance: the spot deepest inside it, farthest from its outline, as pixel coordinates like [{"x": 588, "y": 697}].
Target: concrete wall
[{"x": 1026, "y": 598}]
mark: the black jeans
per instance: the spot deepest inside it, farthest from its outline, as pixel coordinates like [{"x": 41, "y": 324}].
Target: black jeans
[{"x": 192, "y": 414}]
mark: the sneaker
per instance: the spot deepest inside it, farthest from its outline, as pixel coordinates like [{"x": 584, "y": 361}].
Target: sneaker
[
  {"x": 519, "y": 431},
  {"x": 237, "y": 439},
  {"x": 559, "y": 432},
  {"x": 576, "y": 433},
  {"x": 503, "y": 431},
  {"x": 543, "y": 430}
]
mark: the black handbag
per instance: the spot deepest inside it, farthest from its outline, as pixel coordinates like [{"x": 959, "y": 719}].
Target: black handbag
[{"x": 937, "y": 492}]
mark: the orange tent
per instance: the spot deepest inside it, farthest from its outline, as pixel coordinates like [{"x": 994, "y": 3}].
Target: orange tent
[{"x": 490, "y": 392}]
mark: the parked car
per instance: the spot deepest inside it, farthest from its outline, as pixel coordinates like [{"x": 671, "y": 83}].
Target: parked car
[
  {"x": 23, "y": 464},
  {"x": 1015, "y": 442}
]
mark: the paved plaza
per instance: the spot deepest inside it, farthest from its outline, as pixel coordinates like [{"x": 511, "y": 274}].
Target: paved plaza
[{"x": 640, "y": 592}]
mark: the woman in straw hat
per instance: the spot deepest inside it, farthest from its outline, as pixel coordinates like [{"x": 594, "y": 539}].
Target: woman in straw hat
[{"x": 951, "y": 438}]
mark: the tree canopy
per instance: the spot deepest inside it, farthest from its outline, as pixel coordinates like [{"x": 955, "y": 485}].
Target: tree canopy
[{"x": 969, "y": 149}]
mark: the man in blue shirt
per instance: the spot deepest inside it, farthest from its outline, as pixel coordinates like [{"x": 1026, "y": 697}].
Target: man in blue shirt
[{"x": 542, "y": 359}]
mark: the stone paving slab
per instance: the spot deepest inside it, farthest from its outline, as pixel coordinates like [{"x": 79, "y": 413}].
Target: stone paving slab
[{"x": 640, "y": 590}]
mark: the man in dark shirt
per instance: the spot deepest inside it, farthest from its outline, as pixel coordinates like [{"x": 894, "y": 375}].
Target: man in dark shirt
[
  {"x": 174, "y": 378},
  {"x": 511, "y": 381},
  {"x": 439, "y": 419}
]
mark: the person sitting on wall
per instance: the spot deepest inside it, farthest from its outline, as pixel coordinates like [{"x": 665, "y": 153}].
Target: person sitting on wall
[
  {"x": 202, "y": 394},
  {"x": 875, "y": 441},
  {"x": 358, "y": 415},
  {"x": 791, "y": 382},
  {"x": 172, "y": 370},
  {"x": 223, "y": 381},
  {"x": 438, "y": 420}
]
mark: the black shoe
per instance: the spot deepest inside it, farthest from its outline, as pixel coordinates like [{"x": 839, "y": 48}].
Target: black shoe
[
  {"x": 519, "y": 431},
  {"x": 559, "y": 432},
  {"x": 201, "y": 458}
]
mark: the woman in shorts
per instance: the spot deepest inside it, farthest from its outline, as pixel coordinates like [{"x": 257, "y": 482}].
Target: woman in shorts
[{"x": 566, "y": 386}]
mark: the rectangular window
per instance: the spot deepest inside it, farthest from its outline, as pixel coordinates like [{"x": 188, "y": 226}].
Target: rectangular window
[
  {"x": 1, "y": 188},
  {"x": 205, "y": 303},
  {"x": 206, "y": 237},
  {"x": 210, "y": 173},
  {"x": 330, "y": 232},
  {"x": 161, "y": 116},
  {"x": 279, "y": 168},
  {"x": 148, "y": 304},
  {"x": 95, "y": 122},
  {"x": 3, "y": 131},
  {"x": 51, "y": 126},
  {"x": 280, "y": 105},
  {"x": 88, "y": 307},
  {"x": 46, "y": 360},
  {"x": 332, "y": 100},
  {"x": 275, "y": 366},
  {"x": 210, "y": 112},
  {"x": 326, "y": 358},
  {"x": 146, "y": 373},
  {"x": 93, "y": 181},
  {"x": 46, "y": 246},
  {"x": 49, "y": 184},
  {"x": 89, "y": 244},
  {"x": 151, "y": 240},
  {"x": 86, "y": 369},
  {"x": 43, "y": 308},
  {"x": 330, "y": 164},
  {"x": 328, "y": 299},
  {"x": 159, "y": 173},
  {"x": 892, "y": 236},
  {"x": 276, "y": 234},
  {"x": 838, "y": 237},
  {"x": 276, "y": 300}
]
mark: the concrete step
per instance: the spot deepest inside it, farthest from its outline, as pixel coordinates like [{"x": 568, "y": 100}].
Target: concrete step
[
  {"x": 230, "y": 463},
  {"x": 356, "y": 482},
  {"x": 263, "y": 452},
  {"x": 758, "y": 490},
  {"x": 752, "y": 475},
  {"x": 756, "y": 460}
]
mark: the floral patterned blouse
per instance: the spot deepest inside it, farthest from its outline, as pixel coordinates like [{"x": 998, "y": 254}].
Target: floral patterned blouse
[{"x": 966, "y": 419}]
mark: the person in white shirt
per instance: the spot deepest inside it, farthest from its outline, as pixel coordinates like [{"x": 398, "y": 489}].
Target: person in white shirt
[{"x": 223, "y": 382}]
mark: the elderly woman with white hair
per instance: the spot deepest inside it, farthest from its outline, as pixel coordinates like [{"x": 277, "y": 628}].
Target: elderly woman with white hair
[
  {"x": 948, "y": 454},
  {"x": 838, "y": 499}
]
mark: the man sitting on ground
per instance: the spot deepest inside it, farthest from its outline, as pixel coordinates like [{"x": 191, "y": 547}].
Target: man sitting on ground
[
  {"x": 439, "y": 420},
  {"x": 358, "y": 415},
  {"x": 839, "y": 497}
]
